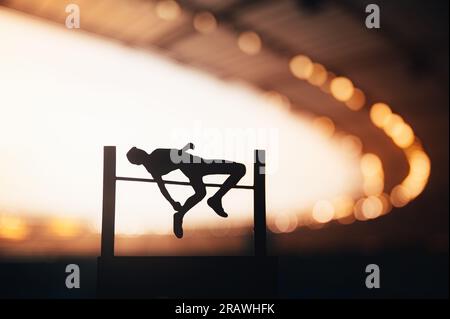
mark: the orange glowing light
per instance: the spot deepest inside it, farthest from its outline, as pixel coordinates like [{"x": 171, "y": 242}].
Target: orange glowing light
[
  {"x": 379, "y": 114},
  {"x": 403, "y": 136},
  {"x": 301, "y": 66},
  {"x": 372, "y": 207},
  {"x": 318, "y": 75},
  {"x": 168, "y": 10},
  {"x": 385, "y": 200},
  {"x": 323, "y": 211},
  {"x": 419, "y": 172},
  {"x": 249, "y": 42},
  {"x": 277, "y": 99},
  {"x": 373, "y": 186},
  {"x": 393, "y": 125},
  {"x": 205, "y": 22},
  {"x": 64, "y": 227},
  {"x": 352, "y": 145},
  {"x": 343, "y": 206},
  {"x": 357, "y": 210},
  {"x": 357, "y": 101},
  {"x": 286, "y": 223},
  {"x": 371, "y": 165},
  {"x": 400, "y": 196},
  {"x": 342, "y": 88},
  {"x": 324, "y": 125},
  {"x": 325, "y": 87},
  {"x": 372, "y": 170},
  {"x": 13, "y": 228}
]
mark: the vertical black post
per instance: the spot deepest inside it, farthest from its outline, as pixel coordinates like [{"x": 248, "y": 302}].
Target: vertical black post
[
  {"x": 259, "y": 202},
  {"x": 109, "y": 200}
]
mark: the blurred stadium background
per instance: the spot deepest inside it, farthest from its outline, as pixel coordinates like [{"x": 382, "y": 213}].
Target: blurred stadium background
[{"x": 379, "y": 96}]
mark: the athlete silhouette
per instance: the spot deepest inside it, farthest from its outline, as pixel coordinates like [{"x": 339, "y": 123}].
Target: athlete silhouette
[{"x": 163, "y": 161}]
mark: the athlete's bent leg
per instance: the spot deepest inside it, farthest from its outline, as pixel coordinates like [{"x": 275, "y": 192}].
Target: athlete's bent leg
[
  {"x": 200, "y": 193},
  {"x": 236, "y": 171}
]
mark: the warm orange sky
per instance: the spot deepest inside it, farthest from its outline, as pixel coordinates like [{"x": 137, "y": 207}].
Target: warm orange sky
[{"x": 65, "y": 94}]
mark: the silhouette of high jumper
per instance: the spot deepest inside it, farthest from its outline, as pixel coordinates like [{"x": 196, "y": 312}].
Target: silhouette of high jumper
[{"x": 163, "y": 161}]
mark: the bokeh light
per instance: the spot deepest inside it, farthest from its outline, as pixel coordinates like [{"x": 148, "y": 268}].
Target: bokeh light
[
  {"x": 301, "y": 67},
  {"x": 168, "y": 10},
  {"x": 13, "y": 227},
  {"x": 372, "y": 170},
  {"x": 403, "y": 136},
  {"x": 352, "y": 145},
  {"x": 380, "y": 114},
  {"x": 249, "y": 42},
  {"x": 372, "y": 207},
  {"x": 64, "y": 227},
  {"x": 400, "y": 196},
  {"x": 357, "y": 101},
  {"x": 323, "y": 211},
  {"x": 342, "y": 88},
  {"x": 277, "y": 99},
  {"x": 318, "y": 76},
  {"x": 325, "y": 125},
  {"x": 205, "y": 22}
]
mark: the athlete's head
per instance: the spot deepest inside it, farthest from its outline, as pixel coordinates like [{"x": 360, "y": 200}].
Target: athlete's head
[{"x": 136, "y": 156}]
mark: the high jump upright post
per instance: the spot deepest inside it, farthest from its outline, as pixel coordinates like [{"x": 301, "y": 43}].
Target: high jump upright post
[{"x": 109, "y": 200}]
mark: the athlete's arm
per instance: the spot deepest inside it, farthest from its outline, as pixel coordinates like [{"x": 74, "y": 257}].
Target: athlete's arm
[{"x": 162, "y": 187}]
